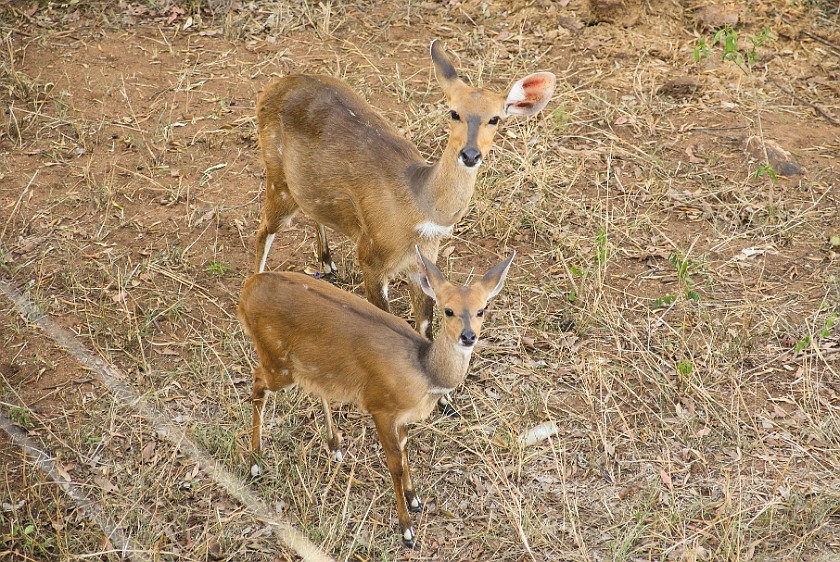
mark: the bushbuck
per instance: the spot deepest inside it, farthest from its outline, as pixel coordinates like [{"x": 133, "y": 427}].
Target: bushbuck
[
  {"x": 328, "y": 152},
  {"x": 339, "y": 347}
]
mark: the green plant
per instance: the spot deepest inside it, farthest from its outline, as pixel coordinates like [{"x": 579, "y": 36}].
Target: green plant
[
  {"x": 765, "y": 169},
  {"x": 802, "y": 344},
  {"x": 701, "y": 50},
  {"x": 664, "y": 301},
  {"x": 681, "y": 264},
  {"x": 745, "y": 58},
  {"x": 217, "y": 269},
  {"x": 601, "y": 246},
  {"x": 28, "y": 539},
  {"x": 752, "y": 57},
  {"x": 727, "y": 37},
  {"x": 828, "y": 325},
  {"x": 21, "y": 416},
  {"x": 824, "y": 332}
]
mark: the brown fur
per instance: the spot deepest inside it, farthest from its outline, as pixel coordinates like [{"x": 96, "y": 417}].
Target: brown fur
[
  {"x": 338, "y": 347},
  {"x": 327, "y": 151}
]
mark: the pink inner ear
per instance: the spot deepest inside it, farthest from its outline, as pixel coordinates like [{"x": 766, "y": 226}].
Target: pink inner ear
[
  {"x": 534, "y": 83},
  {"x": 531, "y": 99}
]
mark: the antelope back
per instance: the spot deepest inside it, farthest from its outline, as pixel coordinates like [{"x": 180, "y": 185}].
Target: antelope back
[
  {"x": 330, "y": 341},
  {"x": 335, "y": 153}
]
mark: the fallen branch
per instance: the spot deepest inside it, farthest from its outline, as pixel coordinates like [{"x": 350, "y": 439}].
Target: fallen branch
[{"x": 829, "y": 117}]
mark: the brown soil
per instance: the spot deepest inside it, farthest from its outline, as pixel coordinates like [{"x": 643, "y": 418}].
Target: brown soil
[{"x": 672, "y": 309}]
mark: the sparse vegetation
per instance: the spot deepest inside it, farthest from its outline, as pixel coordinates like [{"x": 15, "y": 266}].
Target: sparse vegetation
[
  {"x": 217, "y": 269},
  {"x": 672, "y": 311}
]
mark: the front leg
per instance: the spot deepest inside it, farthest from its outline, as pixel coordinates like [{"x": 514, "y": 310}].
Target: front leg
[
  {"x": 258, "y": 401},
  {"x": 389, "y": 433},
  {"x": 411, "y": 497}
]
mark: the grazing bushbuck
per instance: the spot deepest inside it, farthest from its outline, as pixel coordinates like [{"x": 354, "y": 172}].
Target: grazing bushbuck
[
  {"x": 339, "y": 347},
  {"x": 328, "y": 152}
]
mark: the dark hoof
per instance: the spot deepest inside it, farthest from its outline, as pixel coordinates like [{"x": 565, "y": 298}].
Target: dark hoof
[
  {"x": 448, "y": 410},
  {"x": 330, "y": 278},
  {"x": 409, "y": 539},
  {"x": 414, "y": 504},
  {"x": 412, "y": 544}
]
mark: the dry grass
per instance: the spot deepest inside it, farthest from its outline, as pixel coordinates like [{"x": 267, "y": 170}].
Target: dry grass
[{"x": 673, "y": 315}]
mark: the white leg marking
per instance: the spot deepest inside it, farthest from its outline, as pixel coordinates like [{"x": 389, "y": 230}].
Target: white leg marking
[
  {"x": 385, "y": 291},
  {"x": 403, "y": 442},
  {"x": 408, "y": 534},
  {"x": 423, "y": 325},
  {"x": 255, "y": 468},
  {"x": 268, "y": 240},
  {"x": 337, "y": 456},
  {"x": 415, "y": 503}
]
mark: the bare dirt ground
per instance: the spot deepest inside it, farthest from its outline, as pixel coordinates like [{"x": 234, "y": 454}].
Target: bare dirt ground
[{"x": 672, "y": 310}]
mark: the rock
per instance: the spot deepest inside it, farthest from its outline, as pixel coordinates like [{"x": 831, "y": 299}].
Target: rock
[
  {"x": 683, "y": 87},
  {"x": 620, "y": 12},
  {"x": 714, "y": 16},
  {"x": 779, "y": 159}
]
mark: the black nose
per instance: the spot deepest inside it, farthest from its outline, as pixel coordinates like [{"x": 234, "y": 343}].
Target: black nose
[
  {"x": 467, "y": 338},
  {"x": 470, "y": 157}
]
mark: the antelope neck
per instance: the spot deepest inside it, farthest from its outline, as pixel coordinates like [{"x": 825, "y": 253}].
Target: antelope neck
[
  {"x": 445, "y": 188},
  {"x": 446, "y": 363}
]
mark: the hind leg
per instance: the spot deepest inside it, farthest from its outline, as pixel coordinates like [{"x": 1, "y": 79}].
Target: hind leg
[
  {"x": 278, "y": 208},
  {"x": 263, "y": 381},
  {"x": 327, "y": 263},
  {"x": 333, "y": 437},
  {"x": 375, "y": 276}
]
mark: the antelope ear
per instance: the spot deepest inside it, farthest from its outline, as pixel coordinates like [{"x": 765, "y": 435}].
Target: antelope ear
[
  {"x": 430, "y": 275},
  {"x": 494, "y": 280},
  {"x": 445, "y": 72},
  {"x": 530, "y": 94}
]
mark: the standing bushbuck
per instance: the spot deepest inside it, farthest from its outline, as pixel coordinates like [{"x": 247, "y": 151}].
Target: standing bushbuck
[
  {"x": 339, "y": 347},
  {"x": 327, "y": 151}
]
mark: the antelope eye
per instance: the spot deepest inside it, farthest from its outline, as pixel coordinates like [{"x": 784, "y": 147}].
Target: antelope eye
[
  {"x": 455, "y": 116},
  {"x": 480, "y": 313},
  {"x": 494, "y": 120},
  {"x": 448, "y": 312}
]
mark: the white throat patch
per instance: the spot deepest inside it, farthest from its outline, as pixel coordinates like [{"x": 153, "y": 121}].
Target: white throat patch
[
  {"x": 430, "y": 229},
  {"x": 439, "y": 390},
  {"x": 464, "y": 349}
]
